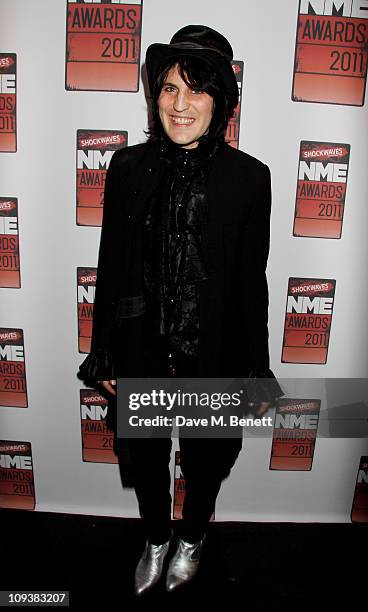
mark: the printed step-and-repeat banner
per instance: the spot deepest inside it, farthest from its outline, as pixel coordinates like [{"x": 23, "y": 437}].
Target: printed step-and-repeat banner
[
  {"x": 103, "y": 42},
  {"x": 8, "y": 102},
  {"x": 302, "y": 110}
]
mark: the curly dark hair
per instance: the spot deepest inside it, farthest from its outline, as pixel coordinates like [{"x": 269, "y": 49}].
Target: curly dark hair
[{"x": 197, "y": 74}]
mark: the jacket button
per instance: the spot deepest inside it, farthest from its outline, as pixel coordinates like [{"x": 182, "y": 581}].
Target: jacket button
[{"x": 151, "y": 170}]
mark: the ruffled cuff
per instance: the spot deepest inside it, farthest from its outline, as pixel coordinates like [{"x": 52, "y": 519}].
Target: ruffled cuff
[
  {"x": 97, "y": 366},
  {"x": 262, "y": 386}
]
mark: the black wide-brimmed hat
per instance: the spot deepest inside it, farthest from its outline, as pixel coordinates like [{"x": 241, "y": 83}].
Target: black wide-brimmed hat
[{"x": 196, "y": 41}]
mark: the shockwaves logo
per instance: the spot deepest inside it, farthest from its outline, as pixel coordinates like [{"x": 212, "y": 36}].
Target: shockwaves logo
[
  {"x": 308, "y": 320},
  {"x": 95, "y": 149},
  {"x": 86, "y": 288},
  {"x": 331, "y": 52},
  {"x": 321, "y": 189},
  {"x": 9, "y": 243},
  {"x": 103, "y": 41},
  {"x": 8, "y": 102}
]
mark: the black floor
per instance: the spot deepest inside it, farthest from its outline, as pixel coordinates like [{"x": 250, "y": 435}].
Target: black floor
[{"x": 251, "y": 566}]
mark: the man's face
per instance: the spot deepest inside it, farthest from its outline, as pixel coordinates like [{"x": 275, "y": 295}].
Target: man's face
[{"x": 185, "y": 113}]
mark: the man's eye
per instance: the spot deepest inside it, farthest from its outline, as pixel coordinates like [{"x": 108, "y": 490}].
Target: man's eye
[
  {"x": 169, "y": 88},
  {"x": 197, "y": 91}
]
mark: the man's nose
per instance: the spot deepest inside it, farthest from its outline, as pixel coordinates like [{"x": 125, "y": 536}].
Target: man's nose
[{"x": 180, "y": 102}]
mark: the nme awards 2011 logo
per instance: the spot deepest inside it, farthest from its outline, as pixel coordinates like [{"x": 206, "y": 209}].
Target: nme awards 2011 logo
[
  {"x": 308, "y": 319},
  {"x": 359, "y": 510},
  {"x": 97, "y": 438},
  {"x": 321, "y": 189},
  {"x": 86, "y": 287},
  {"x": 8, "y": 102},
  {"x": 233, "y": 128},
  {"x": 294, "y": 435},
  {"x": 179, "y": 490},
  {"x": 13, "y": 386},
  {"x": 9, "y": 243},
  {"x": 331, "y": 51},
  {"x": 95, "y": 149},
  {"x": 16, "y": 475},
  {"x": 103, "y": 42}
]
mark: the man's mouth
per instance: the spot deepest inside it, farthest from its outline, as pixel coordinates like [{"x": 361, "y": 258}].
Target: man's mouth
[{"x": 181, "y": 120}]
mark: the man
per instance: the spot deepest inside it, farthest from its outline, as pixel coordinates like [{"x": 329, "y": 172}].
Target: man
[{"x": 181, "y": 283}]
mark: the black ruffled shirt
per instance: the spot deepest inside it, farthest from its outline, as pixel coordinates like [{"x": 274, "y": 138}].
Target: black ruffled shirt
[
  {"x": 173, "y": 260},
  {"x": 174, "y": 267}
]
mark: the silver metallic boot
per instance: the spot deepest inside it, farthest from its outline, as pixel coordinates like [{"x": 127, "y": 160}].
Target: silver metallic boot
[
  {"x": 149, "y": 568},
  {"x": 184, "y": 564}
]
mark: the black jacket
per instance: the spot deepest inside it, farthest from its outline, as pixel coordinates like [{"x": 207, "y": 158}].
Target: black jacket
[{"x": 233, "y": 304}]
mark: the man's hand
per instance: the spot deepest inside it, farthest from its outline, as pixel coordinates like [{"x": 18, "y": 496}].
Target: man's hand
[
  {"x": 108, "y": 385},
  {"x": 260, "y": 409}
]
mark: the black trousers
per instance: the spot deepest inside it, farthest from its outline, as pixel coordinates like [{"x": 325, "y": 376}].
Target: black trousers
[{"x": 204, "y": 462}]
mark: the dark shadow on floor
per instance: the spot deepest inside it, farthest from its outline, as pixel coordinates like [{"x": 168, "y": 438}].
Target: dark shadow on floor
[{"x": 252, "y": 565}]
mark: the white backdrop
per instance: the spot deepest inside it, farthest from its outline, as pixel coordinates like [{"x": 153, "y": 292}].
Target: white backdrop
[{"x": 42, "y": 175}]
